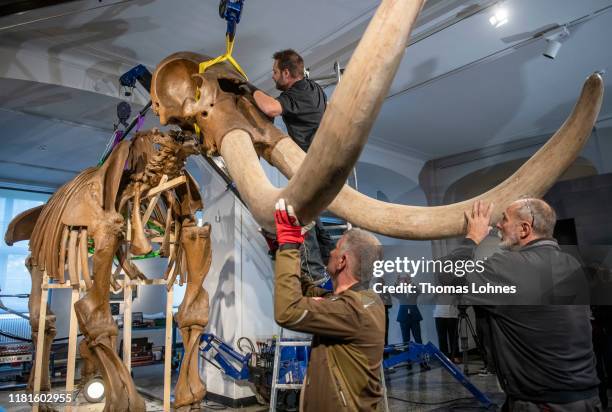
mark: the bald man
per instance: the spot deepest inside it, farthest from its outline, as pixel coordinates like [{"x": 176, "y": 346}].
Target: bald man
[{"x": 543, "y": 353}]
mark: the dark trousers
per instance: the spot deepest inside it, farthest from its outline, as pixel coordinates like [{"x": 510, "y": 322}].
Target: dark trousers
[
  {"x": 447, "y": 336},
  {"x": 483, "y": 330},
  {"x": 387, "y": 309},
  {"x": 587, "y": 405},
  {"x": 411, "y": 327},
  {"x": 315, "y": 251}
]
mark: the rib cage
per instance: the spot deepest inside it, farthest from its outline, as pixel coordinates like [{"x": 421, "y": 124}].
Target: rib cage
[{"x": 47, "y": 235}]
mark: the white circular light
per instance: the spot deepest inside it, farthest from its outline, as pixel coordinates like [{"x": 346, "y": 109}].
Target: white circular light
[{"x": 94, "y": 390}]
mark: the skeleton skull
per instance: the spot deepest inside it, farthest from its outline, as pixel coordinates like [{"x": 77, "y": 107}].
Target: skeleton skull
[{"x": 212, "y": 100}]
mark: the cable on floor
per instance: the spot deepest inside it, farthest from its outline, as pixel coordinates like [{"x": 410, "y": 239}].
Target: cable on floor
[
  {"x": 213, "y": 406},
  {"x": 431, "y": 403}
]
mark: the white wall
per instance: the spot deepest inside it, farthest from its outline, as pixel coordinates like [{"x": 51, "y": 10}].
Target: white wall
[
  {"x": 598, "y": 150},
  {"x": 240, "y": 281},
  {"x": 396, "y": 174}
]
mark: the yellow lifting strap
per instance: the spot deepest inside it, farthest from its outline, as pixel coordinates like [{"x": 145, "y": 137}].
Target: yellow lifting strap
[{"x": 229, "y": 48}]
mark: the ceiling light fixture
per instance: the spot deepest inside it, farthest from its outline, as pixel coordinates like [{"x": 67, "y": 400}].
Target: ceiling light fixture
[
  {"x": 499, "y": 17},
  {"x": 553, "y": 41}
]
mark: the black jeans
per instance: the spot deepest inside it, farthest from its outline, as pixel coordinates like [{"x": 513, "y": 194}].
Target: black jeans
[
  {"x": 588, "y": 405},
  {"x": 483, "y": 330},
  {"x": 387, "y": 309},
  {"x": 315, "y": 252},
  {"x": 414, "y": 327},
  {"x": 447, "y": 336}
]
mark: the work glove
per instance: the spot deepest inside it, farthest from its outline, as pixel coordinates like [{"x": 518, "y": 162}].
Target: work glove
[
  {"x": 247, "y": 88},
  {"x": 288, "y": 227}
]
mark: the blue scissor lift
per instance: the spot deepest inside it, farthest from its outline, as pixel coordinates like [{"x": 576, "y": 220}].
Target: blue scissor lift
[{"x": 419, "y": 353}]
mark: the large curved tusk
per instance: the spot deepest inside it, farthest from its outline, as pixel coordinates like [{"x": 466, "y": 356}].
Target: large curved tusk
[
  {"x": 353, "y": 109},
  {"x": 255, "y": 189},
  {"x": 534, "y": 178}
]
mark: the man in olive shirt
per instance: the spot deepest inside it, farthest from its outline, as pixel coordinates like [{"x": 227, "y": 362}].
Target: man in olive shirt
[{"x": 348, "y": 325}]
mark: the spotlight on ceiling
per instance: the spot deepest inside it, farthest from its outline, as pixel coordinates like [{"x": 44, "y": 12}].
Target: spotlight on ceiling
[
  {"x": 499, "y": 17},
  {"x": 553, "y": 41},
  {"x": 94, "y": 390}
]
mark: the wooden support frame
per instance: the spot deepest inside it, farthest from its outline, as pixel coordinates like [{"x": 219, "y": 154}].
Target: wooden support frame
[
  {"x": 40, "y": 341},
  {"x": 127, "y": 324},
  {"x": 127, "y": 330},
  {"x": 127, "y": 333},
  {"x": 168, "y": 349},
  {"x": 72, "y": 335},
  {"x": 72, "y": 344}
]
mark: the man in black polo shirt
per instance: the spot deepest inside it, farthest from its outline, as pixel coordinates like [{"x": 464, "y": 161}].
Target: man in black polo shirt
[{"x": 301, "y": 104}]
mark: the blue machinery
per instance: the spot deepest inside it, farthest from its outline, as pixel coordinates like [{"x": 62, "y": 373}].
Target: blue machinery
[
  {"x": 230, "y": 10},
  {"x": 257, "y": 366},
  {"x": 416, "y": 352},
  {"x": 225, "y": 357},
  {"x": 138, "y": 74}
]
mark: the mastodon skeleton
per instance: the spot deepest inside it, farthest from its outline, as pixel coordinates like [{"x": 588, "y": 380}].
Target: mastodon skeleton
[
  {"x": 90, "y": 211},
  {"x": 234, "y": 128}
]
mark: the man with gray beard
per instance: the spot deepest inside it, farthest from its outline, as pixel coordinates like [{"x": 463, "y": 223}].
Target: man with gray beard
[{"x": 543, "y": 353}]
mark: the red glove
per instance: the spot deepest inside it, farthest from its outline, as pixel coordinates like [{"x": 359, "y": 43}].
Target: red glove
[{"x": 288, "y": 228}]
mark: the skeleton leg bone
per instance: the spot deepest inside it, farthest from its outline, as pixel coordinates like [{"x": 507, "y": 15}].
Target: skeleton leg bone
[
  {"x": 88, "y": 368},
  {"x": 192, "y": 316},
  {"x": 97, "y": 324}
]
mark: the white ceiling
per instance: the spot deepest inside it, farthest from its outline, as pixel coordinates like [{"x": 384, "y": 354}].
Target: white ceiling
[
  {"x": 512, "y": 94},
  {"x": 464, "y": 87}
]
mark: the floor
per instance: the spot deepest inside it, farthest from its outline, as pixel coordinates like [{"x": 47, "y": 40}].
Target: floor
[
  {"x": 437, "y": 390},
  {"x": 408, "y": 390}
]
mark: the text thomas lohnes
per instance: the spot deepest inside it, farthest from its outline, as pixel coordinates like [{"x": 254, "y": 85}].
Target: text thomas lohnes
[{"x": 429, "y": 288}]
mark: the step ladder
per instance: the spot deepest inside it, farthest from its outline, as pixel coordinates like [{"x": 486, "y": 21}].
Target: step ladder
[{"x": 280, "y": 343}]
